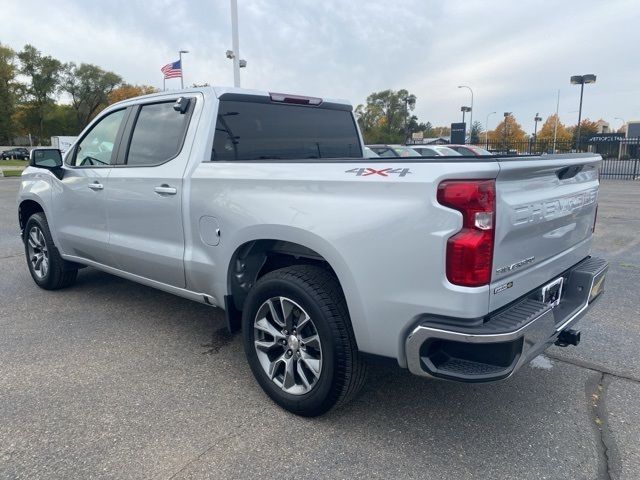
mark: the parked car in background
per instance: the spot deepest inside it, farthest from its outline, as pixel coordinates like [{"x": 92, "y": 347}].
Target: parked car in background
[
  {"x": 368, "y": 153},
  {"x": 17, "y": 153},
  {"x": 393, "y": 151},
  {"x": 470, "y": 150},
  {"x": 435, "y": 151}
]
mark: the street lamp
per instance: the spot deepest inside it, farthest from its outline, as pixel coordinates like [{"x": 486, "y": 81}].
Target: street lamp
[
  {"x": 471, "y": 109},
  {"x": 406, "y": 118},
  {"x": 622, "y": 120},
  {"x": 182, "y": 69},
  {"x": 536, "y": 119},
  {"x": 464, "y": 110},
  {"x": 486, "y": 126},
  {"x": 581, "y": 80},
  {"x": 234, "y": 54},
  {"x": 506, "y": 117}
]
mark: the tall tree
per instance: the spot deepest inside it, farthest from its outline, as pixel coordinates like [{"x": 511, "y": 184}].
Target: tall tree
[
  {"x": 386, "y": 116},
  {"x": 43, "y": 72},
  {"x": 587, "y": 130},
  {"x": 508, "y": 131},
  {"x": 89, "y": 87},
  {"x": 548, "y": 127},
  {"x": 474, "y": 133},
  {"x": 8, "y": 89},
  {"x": 126, "y": 91},
  {"x": 428, "y": 130},
  {"x": 58, "y": 120}
]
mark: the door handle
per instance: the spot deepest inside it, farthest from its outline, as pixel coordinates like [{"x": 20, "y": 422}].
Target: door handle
[
  {"x": 96, "y": 186},
  {"x": 165, "y": 189}
]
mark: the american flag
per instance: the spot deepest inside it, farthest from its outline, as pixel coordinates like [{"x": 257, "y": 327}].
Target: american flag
[{"x": 172, "y": 70}]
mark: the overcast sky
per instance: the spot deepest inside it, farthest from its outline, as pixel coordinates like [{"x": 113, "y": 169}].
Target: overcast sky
[{"x": 514, "y": 54}]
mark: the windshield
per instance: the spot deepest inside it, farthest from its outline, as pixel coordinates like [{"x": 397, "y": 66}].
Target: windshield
[
  {"x": 368, "y": 153},
  {"x": 447, "y": 152},
  {"x": 481, "y": 151},
  {"x": 405, "y": 152}
]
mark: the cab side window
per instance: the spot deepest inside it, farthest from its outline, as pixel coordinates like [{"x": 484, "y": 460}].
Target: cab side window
[
  {"x": 96, "y": 149},
  {"x": 158, "y": 134}
]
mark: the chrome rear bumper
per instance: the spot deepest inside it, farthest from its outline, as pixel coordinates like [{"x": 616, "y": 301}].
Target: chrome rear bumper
[{"x": 509, "y": 338}]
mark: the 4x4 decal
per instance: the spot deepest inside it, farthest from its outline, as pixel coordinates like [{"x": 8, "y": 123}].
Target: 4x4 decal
[{"x": 384, "y": 172}]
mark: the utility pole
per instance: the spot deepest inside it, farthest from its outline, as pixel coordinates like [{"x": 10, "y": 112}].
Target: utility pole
[
  {"x": 406, "y": 119},
  {"x": 581, "y": 80},
  {"x": 536, "y": 119},
  {"x": 486, "y": 130},
  {"x": 506, "y": 121},
  {"x": 555, "y": 127},
  {"x": 235, "y": 43},
  {"x": 470, "y": 110}
]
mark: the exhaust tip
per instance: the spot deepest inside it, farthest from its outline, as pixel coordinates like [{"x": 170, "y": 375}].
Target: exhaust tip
[{"x": 568, "y": 337}]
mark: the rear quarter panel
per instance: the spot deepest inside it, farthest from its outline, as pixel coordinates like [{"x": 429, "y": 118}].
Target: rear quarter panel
[{"x": 384, "y": 235}]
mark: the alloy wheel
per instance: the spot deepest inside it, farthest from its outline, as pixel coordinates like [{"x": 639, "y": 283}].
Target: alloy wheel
[
  {"x": 288, "y": 345},
  {"x": 38, "y": 252}
]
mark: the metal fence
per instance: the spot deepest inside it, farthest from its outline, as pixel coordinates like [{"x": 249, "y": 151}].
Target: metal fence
[
  {"x": 527, "y": 147},
  {"x": 621, "y": 158}
]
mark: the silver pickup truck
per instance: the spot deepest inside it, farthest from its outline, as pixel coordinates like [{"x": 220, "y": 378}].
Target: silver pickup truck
[{"x": 461, "y": 268}]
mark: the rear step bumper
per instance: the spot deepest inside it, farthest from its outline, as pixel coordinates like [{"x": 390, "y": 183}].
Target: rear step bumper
[{"x": 509, "y": 338}]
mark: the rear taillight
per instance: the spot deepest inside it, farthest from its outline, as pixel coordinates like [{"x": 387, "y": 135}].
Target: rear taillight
[{"x": 470, "y": 251}]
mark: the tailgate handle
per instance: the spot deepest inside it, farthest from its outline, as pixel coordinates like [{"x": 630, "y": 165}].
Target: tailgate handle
[{"x": 569, "y": 172}]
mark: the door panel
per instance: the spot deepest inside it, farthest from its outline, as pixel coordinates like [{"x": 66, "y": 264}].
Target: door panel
[
  {"x": 80, "y": 213},
  {"x": 146, "y": 234},
  {"x": 144, "y": 202},
  {"x": 79, "y": 197}
]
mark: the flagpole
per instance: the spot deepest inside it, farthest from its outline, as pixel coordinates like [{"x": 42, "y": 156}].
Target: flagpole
[
  {"x": 555, "y": 127},
  {"x": 164, "y": 83}
]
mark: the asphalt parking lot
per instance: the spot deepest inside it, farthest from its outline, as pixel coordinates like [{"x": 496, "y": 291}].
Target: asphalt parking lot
[{"x": 110, "y": 379}]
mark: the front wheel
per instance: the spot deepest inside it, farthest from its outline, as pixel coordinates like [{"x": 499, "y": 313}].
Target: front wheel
[
  {"x": 46, "y": 266},
  {"x": 299, "y": 341}
]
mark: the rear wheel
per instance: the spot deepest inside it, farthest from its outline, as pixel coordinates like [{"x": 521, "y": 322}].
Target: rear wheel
[
  {"x": 299, "y": 341},
  {"x": 46, "y": 266}
]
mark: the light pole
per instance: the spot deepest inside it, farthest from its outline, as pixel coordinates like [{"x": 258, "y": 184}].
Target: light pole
[
  {"x": 471, "y": 109},
  {"x": 555, "y": 127},
  {"x": 581, "y": 80},
  {"x": 235, "y": 43},
  {"x": 506, "y": 118},
  {"x": 486, "y": 129},
  {"x": 536, "y": 119},
  {"x": 622, "y": 120},
  {"x": 406, "y": 119},
  {"x": 464, "y": 110},
  {"x": 182, "y": 69}
]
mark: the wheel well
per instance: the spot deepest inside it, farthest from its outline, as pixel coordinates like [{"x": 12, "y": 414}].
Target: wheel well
[
  {"x": 255, "y": 259},
  {"x": 26, "y": 209}
]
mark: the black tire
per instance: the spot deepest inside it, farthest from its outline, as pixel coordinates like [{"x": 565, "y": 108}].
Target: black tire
[
  {"x": 60, "y": 274},
  {"x": 318, "y": 292}
]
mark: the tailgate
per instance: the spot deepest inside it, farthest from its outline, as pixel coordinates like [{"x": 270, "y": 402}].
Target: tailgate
[{"x": 545, "y": 209}]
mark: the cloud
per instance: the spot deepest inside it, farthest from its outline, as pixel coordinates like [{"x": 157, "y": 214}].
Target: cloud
[{"x": 515, "y": 55}]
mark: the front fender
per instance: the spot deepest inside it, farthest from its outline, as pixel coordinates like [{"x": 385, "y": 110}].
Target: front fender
[{"x": 35, "y": 185}]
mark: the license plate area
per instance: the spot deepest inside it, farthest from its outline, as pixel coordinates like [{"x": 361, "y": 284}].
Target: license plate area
[{"x": 552, "y": 292}]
